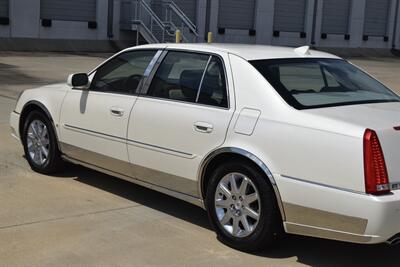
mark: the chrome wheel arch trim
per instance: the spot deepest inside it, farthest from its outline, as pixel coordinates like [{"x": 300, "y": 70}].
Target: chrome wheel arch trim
[{"x": 248, "y": 155}]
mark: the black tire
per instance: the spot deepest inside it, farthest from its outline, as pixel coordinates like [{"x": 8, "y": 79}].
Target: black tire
[
  {"x": 53, "y": 162},
  {"x": 269, "y": 226}
]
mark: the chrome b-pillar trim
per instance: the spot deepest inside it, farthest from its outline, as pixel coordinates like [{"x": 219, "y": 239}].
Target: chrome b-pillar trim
[{"x": 253, "y": 158}]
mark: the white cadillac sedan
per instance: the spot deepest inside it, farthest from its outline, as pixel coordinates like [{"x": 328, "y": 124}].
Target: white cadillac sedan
[{"x": 266, "y": 139}]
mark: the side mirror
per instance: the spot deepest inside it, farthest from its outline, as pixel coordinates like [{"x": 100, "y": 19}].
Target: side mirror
[{"x": 78, "y": 80}]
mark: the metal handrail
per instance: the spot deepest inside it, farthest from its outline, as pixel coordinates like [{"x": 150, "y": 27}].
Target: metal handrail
[
  {"x": 174, "y": 7},
  {"x": 151, "y": 12}
]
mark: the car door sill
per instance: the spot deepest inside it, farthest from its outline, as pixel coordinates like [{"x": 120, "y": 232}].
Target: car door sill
[{"x": 188, "y": 198}]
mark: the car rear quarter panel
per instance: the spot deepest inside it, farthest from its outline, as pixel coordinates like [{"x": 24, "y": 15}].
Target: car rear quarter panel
[{"x": 294, "y": 143}]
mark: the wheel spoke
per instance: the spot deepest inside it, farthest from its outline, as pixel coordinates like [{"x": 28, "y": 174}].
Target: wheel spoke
[
  {"x": 40, "y": 155},
  {"x": 235, "y": 226},
  {"x": 251, "y": 213},
  {"x": 35, "y": 128},
  {"x": 29, "y": 144},
  {"x": 243, "y": 186},
  {"x": 43, "y": 133},
  {"x": 232, "y": 181},
  {"x": 44, "y": 151},
  {"x": 251, "y": 198},
  {"x": 227, "y": 217},
  {"x": 222, "y": 203},
  {"x": 224, "y": 190},
  {"x": 245, "y": 223}
]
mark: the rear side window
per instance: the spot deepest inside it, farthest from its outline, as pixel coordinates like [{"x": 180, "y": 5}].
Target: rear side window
[
  {"x": 190, "y": 77},
  {"x": 123, "y": 73}
]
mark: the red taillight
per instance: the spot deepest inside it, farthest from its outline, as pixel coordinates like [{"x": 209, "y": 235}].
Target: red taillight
[{"x": 376, "y": 176}]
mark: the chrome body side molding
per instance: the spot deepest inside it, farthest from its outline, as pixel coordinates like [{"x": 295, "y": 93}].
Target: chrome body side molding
[
  {"x": 130, "y": 142},
  {"x": 324, "y": 220},
  {"x": 179, "y": 187},
  {"x": 248, "y": 155},
  {"x": 294, "y": 228}
]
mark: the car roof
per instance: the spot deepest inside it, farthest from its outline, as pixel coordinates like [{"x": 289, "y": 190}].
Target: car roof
[{"x": 246, "y": 51}]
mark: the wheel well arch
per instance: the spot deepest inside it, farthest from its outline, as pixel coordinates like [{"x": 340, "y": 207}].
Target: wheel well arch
[
  {"x": 31, "y": 106},
  {"x": 221, "y": 155}
]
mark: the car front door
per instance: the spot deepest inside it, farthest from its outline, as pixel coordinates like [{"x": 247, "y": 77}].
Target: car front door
[
  {"x": 180, "y": 117},
  {"x": 93, "y": 122}
]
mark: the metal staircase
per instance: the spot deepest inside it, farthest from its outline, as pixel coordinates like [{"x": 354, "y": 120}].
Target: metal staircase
[{"x": 138, "y": 16}]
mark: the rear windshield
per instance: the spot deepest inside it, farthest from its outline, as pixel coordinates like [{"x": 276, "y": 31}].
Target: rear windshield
[{"x": 314, "y": 83}]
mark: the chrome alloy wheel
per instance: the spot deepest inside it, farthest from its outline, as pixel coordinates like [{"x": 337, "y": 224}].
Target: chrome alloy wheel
[
  {"x": 237, "y": 204},
  {"x": 38, "y": 142}
]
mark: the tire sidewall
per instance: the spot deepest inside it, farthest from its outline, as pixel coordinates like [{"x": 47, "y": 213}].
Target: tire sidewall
[
  {"x": 266, "y": 228},
  {"x": 49, "y": 165}
]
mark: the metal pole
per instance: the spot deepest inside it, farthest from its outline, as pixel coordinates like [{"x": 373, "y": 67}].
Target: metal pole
[
  {"x": 396, "y": 17},
  {"x": 110, "y": 19},
  {"x": 314, "y": 22}
]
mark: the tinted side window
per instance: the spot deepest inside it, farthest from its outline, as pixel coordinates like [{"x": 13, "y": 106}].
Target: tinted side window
[
  {"x": 179, "y": 76},
  {"x": 213, "y": 88},
  {"x": 123, "y": 73}
]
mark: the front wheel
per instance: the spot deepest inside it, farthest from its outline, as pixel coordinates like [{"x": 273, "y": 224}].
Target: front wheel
[
  {"x": 242, "y": 207},
  {"x": 40, "y": 143}
]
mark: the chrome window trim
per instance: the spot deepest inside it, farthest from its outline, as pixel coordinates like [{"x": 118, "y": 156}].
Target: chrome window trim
[
  {"x": 138, "y": 89},
  {"x": 202, "y": 79},
  {"x": 253, "y": 158},
  {"x": 144, "y": 91}
]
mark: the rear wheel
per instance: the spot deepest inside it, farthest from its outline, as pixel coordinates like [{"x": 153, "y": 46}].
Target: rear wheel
[
  {"x": 242, "y": 207},
  {"x": 40, "y": 143}
]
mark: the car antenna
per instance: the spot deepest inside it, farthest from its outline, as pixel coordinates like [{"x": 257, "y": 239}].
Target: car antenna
[{"x": 303, "y": 50}]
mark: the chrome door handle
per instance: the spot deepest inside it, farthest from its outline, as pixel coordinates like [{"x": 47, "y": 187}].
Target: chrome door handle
[
  {"x": 115, "y": 111},
  {"x": 203, "y": 127}
]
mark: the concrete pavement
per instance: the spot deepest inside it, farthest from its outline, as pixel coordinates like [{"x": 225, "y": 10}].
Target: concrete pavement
[{"x": 84, "y": 218}]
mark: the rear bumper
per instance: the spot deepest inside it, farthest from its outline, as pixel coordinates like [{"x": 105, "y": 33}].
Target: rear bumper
[
  {"x": 14, "y": 123},
  {"x": 326, "y": 212}
]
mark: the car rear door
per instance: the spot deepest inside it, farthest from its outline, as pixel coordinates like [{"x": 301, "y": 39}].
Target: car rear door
[
  {"x": 93, "y": 122},
  {"x": 182, "y": 115}
]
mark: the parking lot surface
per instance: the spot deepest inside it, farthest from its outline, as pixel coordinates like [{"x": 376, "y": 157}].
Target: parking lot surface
[{"x": 84, "y": 218}]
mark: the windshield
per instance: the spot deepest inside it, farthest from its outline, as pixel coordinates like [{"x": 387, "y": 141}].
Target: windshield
[{"x": 313, "y": 83}]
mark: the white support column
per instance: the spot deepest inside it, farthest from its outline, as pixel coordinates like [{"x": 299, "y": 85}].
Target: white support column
[
  {"x": 397, "y": 41},
  {"x": 214, "y": 18},
  {"x": 264, "y": 22},
  {"x": 201, "y": 19},
  {"x": 309, "y": 19},
  {"x": 356, "y": 29},
  {"x": 102, "y": 19}
]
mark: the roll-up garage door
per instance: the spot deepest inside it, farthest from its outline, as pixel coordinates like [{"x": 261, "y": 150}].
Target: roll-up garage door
[
  {"x": 376, "y": 17},
  {"x": 4, "y": 8},
  {"x": 189, "y": 7},
  {"x": 336, "y": 16},
  {"x": 289, "y": 15},
  {"x": 236, "y": 14},
  {"x": 78, "y": 10}
]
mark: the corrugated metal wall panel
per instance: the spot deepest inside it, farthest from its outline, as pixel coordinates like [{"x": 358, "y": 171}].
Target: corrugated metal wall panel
[
  {"x": 236, "y": 14},
  {"x": 4, "y": 8},
  {"x": 336, "y": 16},
  {"x": 189, "y": 7},
  {"x": 376, "y": 17},
  {"x": 289, "y": 15},
  {"x": 76, "y": 10}
]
